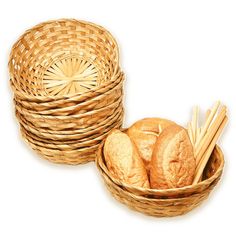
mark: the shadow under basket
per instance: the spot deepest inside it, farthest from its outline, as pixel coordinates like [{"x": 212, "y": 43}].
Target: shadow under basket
[{"x": 167, "y": 202}]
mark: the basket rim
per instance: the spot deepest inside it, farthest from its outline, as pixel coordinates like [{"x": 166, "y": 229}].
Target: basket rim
[
  {"x": 102, "y": 166},
  {"x": 67, "y": 96},
  {"x": 25, "y": 112},
  {"x": 41, "y": 148},
  {"x": 75, "y": 134},
  {"x": 50, "y": 108},
  {"x": 95, "y": 136},
  {"x": 59, "y": 20},
  {"x": 74, "y": 97},
  {"x": 175, "y": 199}
]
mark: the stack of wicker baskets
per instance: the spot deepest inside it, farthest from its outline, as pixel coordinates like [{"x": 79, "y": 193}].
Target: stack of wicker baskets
[{"x": 68, "y": 88}]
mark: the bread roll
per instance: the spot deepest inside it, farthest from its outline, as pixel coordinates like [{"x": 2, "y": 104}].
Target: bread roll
[
  {"x": 144, "y": 134},
  {"x": 173, "y": 163},
  {"x": 123, "y": 161}
]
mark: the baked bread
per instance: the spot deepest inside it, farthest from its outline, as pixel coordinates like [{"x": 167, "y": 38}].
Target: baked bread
[
  {"x": 123, "y": 160},
  {"x": 173, "y": 163},
  {"x": 144, "y": 134}
]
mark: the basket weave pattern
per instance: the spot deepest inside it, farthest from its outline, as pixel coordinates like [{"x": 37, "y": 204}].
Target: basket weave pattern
[
  {"x": 68, "y": 88},
  {"x": 164, "y": 203}
]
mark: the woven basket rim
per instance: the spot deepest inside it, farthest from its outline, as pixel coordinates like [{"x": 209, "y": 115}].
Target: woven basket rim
[
  {"x": 36, "y": 98},
  {"x": 88, "y": 130},
  {"x": 24, "y": 95},
  {"x": 59, "y": 20},
  {"x": 93, "y": 135},
  {"x": 50, "y": 108},
  {"x": 27, "y": 113},
  {"x": 101, "y": 165},
  {"x": 152, "y": 200}
]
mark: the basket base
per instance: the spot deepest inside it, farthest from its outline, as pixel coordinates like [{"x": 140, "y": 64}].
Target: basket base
[{"x": 70, "y": 75}]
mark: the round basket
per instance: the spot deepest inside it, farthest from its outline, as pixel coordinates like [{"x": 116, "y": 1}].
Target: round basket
[
  {"x": 92, "y": 100},
  {"x": 82, "y": 120},
  {"x": 163, "y": 203},
  {"x": 58, "y": 59},
  {"x": 68, "y": 88},
  {"x": 74, "y": 153}
]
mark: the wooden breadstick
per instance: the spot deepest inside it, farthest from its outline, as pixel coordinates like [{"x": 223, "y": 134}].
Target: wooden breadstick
[
  {"x": 208, "y": 113},
  {"x": 208, "y": 122},
  {"x": 194, "y": 123},
  {"x": 198, "y": 132},
  {"x": 199, "y": 151},
  {"x": 201, "y": 166},
  {"x": 197, "y": 125},
  {"x": 190, "y": 133},
  {"x": 160, "y": 128}
]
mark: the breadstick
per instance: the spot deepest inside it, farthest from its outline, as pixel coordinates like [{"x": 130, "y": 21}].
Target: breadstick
[
  {"x": 194, "y": 123},
  {"x": 190, "y": 133},
  {"x": 208, "y": 122},
  {"x": 198, "y": 132},
  {"x": 207, "y": 154},
  {"x": 208, "y": 113},
  {"x": 209, "y": 135}
]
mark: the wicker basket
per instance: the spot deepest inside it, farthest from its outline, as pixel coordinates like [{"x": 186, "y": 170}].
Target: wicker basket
[
  {"x": 163, "y": 203},
  {"x": 68, "y": 88},
  {"x": 92, "y": 99},
  {"x": 57, "y": 59}
]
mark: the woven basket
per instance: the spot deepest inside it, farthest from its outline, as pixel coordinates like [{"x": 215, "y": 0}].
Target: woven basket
[
  {"x": 62, "y": 58},
  {"x": 83, "y": 120},
  {"x": 163, "y": 203},
  {"x": 94, "y": 97},
  {"x": 59, "y": 108},
  {"x": 74, "y": 153},
  {"x": 68, "y": 88},
  {"x": 72, "y": 134}
]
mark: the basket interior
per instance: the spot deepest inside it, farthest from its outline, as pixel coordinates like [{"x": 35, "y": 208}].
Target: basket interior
[
  {"x": 71, "y": 75},
  {"x": 62, "y": 58}
]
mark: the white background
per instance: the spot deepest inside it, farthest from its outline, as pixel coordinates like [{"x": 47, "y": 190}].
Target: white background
[{"x": 175, "y": 54}]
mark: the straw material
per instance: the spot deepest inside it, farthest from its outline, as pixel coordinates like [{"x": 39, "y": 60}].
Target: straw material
[
  {"x": 164, "y": 203},
  {"x": 68, "y": 88},
  {"x": 62, "y": 58}
]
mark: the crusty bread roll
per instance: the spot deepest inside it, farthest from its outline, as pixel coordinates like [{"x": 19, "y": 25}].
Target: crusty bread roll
[
  {"x": 144, "y": 135},
  {"x": 173, "y": 163},
  {"x": 123, "y": 160}
]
